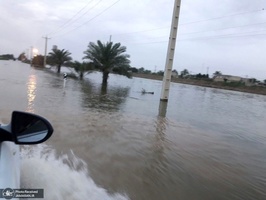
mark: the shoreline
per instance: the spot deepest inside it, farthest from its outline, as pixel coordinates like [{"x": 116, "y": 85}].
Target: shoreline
[{"x": 204, "y": 83}]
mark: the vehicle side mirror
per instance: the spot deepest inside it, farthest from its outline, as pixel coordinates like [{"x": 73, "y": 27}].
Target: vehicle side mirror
[{"x": 28, "y": 128}]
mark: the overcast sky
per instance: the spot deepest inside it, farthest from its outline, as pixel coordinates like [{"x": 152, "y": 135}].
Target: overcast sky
[{"x": 227, "y": 36}]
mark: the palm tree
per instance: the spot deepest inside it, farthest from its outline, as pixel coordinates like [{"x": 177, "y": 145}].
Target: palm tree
[
  {"x": 59, "y": 57},
  {"x": 108, "y": 58},
  {"x": 82, "y": 68}
]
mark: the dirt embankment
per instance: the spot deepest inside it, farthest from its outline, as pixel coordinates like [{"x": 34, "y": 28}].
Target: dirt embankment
[{"x": 208, "y": 83}]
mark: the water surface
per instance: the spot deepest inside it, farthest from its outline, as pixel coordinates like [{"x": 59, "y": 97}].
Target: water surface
[{"x": 210, "y": 145}]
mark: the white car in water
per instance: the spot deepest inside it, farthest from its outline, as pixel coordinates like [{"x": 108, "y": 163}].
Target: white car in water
[{"x": 24, "y": 128}]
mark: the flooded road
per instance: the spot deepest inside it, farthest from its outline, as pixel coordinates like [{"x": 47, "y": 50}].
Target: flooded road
[{"x": 113, "y": 143}]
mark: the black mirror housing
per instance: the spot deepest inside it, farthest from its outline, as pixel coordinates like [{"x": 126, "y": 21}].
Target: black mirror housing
[{"x": 28, "y": 128}]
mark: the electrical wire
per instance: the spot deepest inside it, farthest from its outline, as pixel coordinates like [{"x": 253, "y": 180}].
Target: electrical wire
[
  {"x": 232, "y": 27},
  {"x": 232, "y": 35},
  {"x": 88, "y": 11},
  {"x": 224, "y": 28},
  {"x": 215, "y": 18},
  {"x": 90, "y": 19},
  {"x": 209, "y": 31},
  {"x": 68, "y": 21}
]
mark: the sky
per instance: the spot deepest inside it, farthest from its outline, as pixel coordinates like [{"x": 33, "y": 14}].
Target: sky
[{"x": 227, "y": 36}]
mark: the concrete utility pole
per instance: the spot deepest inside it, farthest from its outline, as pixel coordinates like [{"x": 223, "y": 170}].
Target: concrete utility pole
[
  {"x": 30, "y": 53},
  {"x": 45, "y": 51},
  {"x": 170, "y": 52}
]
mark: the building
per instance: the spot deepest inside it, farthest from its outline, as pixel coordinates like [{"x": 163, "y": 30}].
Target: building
[
  {"x": 227, "y": 78},
  {"x": 249, "y": 81},
  {"x": 174, "y": 74},
  {"x": 230, "y": 79}
]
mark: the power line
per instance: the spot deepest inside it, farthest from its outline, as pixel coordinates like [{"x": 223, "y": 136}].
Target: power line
[
  {"x": 143, "y": 30},
  {"x": 71, "y": 21},
  {"x": 232, "y": 27},
  {"x": 215, "y": 18},
  {"x": 91, "y": 18},
  {"x": 232, "y": 35},
  {"x": 213, "y": 30},
  {"x": 225, "y": 28},
  {"x": 191, "y": 38},
  {"x": 166, "y": 26},
  {"x": 45, "y": 50},
  {"x": 222, "y": 36}
]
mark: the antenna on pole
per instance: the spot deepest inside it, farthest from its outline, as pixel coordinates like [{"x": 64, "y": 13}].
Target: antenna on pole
[
  {"x": 170, "y": 52},
  {"x": 45, "y": 51}
]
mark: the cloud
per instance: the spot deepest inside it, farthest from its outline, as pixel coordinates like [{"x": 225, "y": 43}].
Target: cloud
[{"x": 228, "y": 36}]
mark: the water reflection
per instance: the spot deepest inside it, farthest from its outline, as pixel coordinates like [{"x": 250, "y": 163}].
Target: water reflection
[
  {"x": 156, "y": 169},
  {"x": 104, "y": 97},
  {"x": 31, "y": 92},
  {"x": 104, "y": 89}
]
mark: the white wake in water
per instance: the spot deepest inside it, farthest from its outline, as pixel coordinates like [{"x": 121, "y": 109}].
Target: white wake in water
[{"x": 62, "y": 177}]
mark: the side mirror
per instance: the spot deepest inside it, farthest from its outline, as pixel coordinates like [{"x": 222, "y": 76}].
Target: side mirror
[{"x": 28, "y": 128}]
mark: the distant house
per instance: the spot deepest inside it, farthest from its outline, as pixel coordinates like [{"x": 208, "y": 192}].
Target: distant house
[
  {"x": 227, "y": 78},
  {"x": 249, "y": 81},
  {"x": 230, "y": 79},
  {"x": 174, "y": 74}
]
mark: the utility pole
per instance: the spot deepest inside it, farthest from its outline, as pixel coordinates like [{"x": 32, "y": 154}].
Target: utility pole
[
  {"x": 31, "y": 49},
  {"x": 110, "y": 39},
  {"x": 45, "y": 51},
  {"x": 170, "y": 52},
  {"x": 30, "y": 52}
]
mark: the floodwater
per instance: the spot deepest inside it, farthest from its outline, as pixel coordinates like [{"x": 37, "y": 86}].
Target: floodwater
[{"x": 115, "y": 143}]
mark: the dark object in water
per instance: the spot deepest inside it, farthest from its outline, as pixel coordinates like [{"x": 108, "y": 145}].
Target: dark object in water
[
  {"x": 149, "y": 93},
  {"x": 144, "y": 92}
]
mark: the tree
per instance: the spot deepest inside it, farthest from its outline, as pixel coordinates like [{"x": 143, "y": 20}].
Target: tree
[
  {"x": 160, "y": 73},
  {"x": 146, "y": 71},
  {"x": 184, "y": 73},
  {"x": 37, "y": 61},
  {"x": 202, "y": 76},
  {"x": 122, "y": 70},
  {"x": 134, "y": 69},
  {"x": 174, "y": 71},
  {"x": 7, "y": 57},
  {"x": 217, "y": 73},
  {"x": 264, "y": 81},
  {"x": 59, "y": 57},
  {"x": 108, "y": 58},
  {"x": 82, "y": 68},
  {"x": 141, "y": 70},
  {"x": 22, "y": 57}
]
